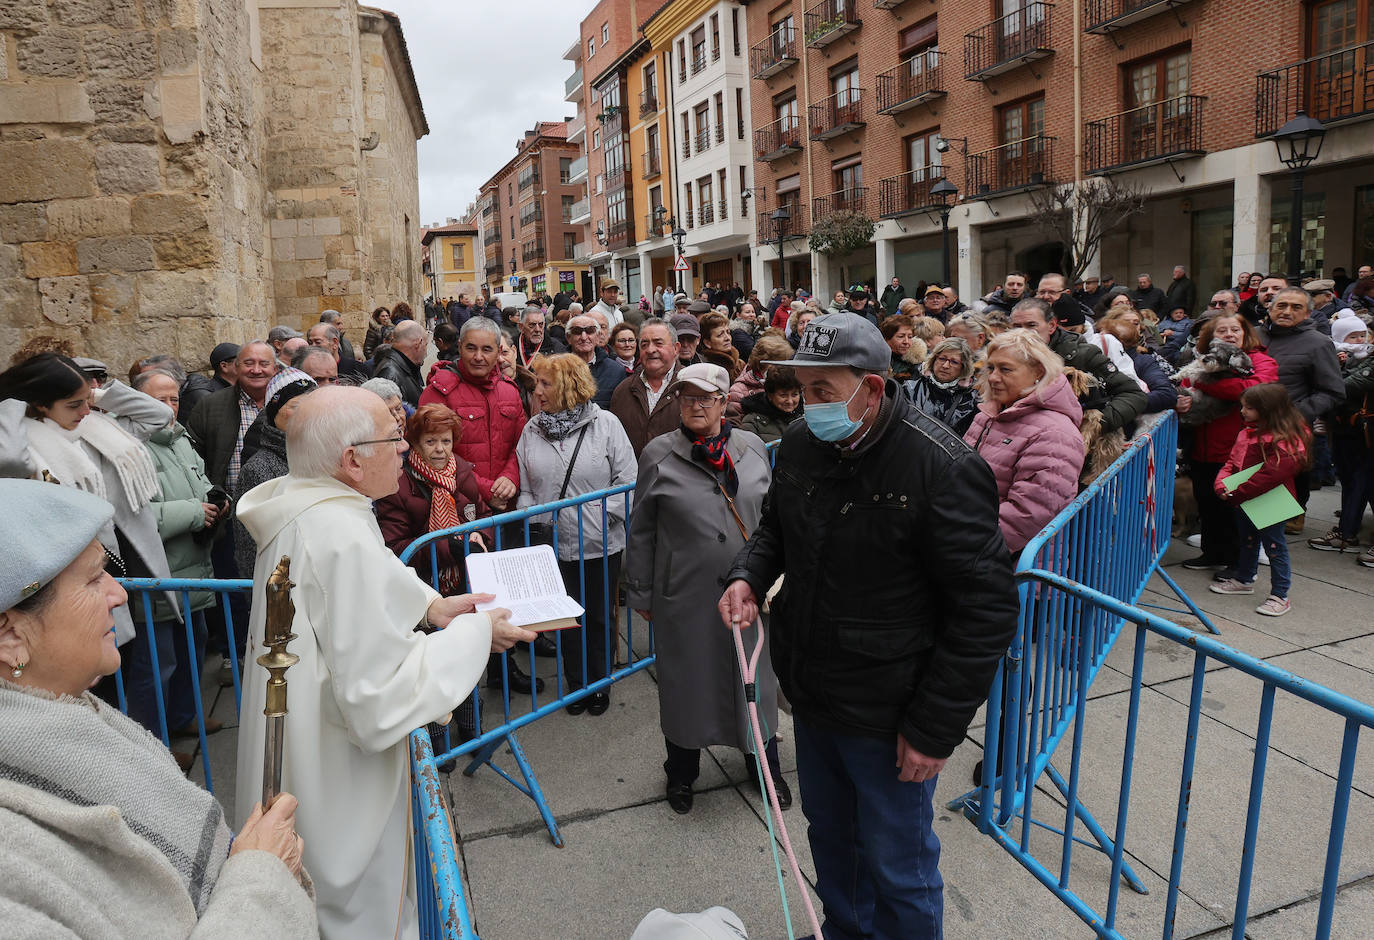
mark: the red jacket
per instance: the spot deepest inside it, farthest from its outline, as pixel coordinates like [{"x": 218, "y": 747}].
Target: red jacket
[
  {"x": 1281, "y": 465},
  {"x": 403, "y": 516},
  {"x": 492, "y": 417},
  {"x": 1212, "y": 442}
]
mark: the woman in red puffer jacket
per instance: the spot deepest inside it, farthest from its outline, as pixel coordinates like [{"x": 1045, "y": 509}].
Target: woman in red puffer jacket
[{"x": 1212, "y": 442}]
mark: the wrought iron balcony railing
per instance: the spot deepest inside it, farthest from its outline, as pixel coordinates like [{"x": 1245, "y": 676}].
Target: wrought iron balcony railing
[
  {"x": 909, "y": 192},
  {"x": 1333, "y": 88},
  {"x": 1107, "y": 16},
  {"x": 703, "y": 140},
  {"x": 854, "y": 199},
  {"x": 916, "y": 81},
  {"x": 1018, "y": 165},
  {"x": 837, "y": 114},
  {"x": 773, "y": 53},
  {"x": 829, "y": 20},
  {"x": 1009, "y": 41},
  {"x": 797, "y": 223},
  {"x": 620, "y": 234},
  {"x": 648, "y": 102},
  {"x": 776, "y": 140},
  {"x": 653, "y": 164},
  {"x": 1152, "y": 133}
]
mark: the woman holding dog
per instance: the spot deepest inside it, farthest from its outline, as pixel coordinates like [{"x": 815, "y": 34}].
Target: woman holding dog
[{"x": 1212, "y": 442}]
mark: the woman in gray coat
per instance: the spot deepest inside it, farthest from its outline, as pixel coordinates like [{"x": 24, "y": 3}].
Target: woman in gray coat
[{"x": 699, "y": 495}]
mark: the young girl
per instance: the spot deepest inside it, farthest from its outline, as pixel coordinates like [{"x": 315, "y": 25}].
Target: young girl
[{"x": 1277, "y": 437}]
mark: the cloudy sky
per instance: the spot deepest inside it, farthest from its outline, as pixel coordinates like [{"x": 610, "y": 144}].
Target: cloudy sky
[{"x": 487, "y": 71}]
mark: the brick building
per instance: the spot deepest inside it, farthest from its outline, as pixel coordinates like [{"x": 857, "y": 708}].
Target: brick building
[{"x": 864, "y": 104}]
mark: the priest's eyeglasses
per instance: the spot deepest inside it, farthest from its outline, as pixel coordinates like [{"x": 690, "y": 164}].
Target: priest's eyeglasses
[{"x": 384, "y": 440}]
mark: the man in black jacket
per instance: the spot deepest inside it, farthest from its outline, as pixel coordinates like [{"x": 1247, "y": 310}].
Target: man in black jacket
[
  {"x": 1181, "y": 293},
  {"x": 897, "y": 605},
  {"x": 1148, "y": 297},
  {"x": 400, "y": 362}
]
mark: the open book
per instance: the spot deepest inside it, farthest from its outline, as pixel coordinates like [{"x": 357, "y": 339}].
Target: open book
[{"x": 526, "y": 582}]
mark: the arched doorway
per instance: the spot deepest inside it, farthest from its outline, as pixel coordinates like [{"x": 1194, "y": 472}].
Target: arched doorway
[{"x": 1045, "y": 258}]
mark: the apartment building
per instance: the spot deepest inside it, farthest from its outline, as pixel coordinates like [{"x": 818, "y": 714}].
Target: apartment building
[
  {"x": 581, "y": 213},
  {"x": 449, "y": 258},
  {"x": 865, "y": 104},
  {"x": 703, "y": 72}
]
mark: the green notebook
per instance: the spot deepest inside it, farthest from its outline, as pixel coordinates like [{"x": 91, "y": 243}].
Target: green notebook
[{"x": 1267, "y": 509}]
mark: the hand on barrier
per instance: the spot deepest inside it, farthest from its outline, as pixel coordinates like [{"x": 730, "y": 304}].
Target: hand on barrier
[
  {"x": 505, "y": 634},
  {"x": 274, "y": 832},
  {"x": 738, "y": 606},
  {"x": 503, "y": 489},
  {"x": 913, "y": 766}
]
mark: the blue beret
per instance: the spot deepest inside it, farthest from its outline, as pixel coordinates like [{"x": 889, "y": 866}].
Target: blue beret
[{"x": 43, "y": 528}]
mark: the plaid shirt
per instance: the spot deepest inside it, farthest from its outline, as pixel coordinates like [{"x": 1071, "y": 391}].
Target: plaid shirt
[{"x": 248, "y": 413}]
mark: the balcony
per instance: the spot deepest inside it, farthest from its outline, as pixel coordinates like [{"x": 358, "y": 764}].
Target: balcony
[
  {"x": 582, "y": 252},
  {"x": 1107, "y": 16},
  {"x": 777, "y": 140},
  {"x": 703, "y": 141},
  {"x": 698, "y": 61},
  {"x": 686, "y": 148},
  {"x": 830, "y": 20},
  {"x": 572, "y": 88},
  {"x": 723, "y": 210},
  {"x": 1154, "y": 133},
  {"x": 771, "y": 55},
  {"x": 653, "y": 164},
  {"x": 615, "y": 177},
  {"x": 916, "y": 81},
  {"x": 837, "y": 114},
  {"x": 706, "y": 213},
  {"x": 581, "y": 212},
  {"x": 612, "y": 122},
  {"x": 532, "y": 253},
  {"x": 577, "y": 129},
  {"x": 1008, "y": 42},
  {"x": 532, "y": 213},
  {"x": 1334, "y": 88},
  {"x": 653, "y": 227},
  {"x": 648, "y": 102},
  {"x": 720, "y": 131},
  {"x": 887, "y": 4},
  {"x": 620, "y": 234},
  {"x": 797, "y": 225},
  {"x": 909, "y": 192},
  {"x": 493, "y": 269},
  {"x": 854, "y": 199},
  {"x": 493, "y": 254},
  {"x": 527, "y": 180},
  {"x": 1014, "y": 167},
  {"x": 577, "y": 170}
]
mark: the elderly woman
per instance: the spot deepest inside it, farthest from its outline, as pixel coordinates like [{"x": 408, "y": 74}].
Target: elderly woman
[
  {"x": 943, "y": 387},
  {"x": 1027, "y": 430},
  {"x": 771, "y": 347},
  {"x": 771, "y": 412},
  {"x": 971, "y": 330},
  {"x": 1212, "y": 441},
  {"x": 907, "y": 352},
  {"x": 389, "y": 392},
  {"x": 268, "y": 461},
  {"x": 717, "y": 346},
  {"x": 570, "y": 448},
  {"x": 49, "y": 431},
  {"x": 624, "y": 346},
  {"x": 796, "y": 323},
  {"x": 103, "y": 835},
  {"x": 699, "y": 497}
]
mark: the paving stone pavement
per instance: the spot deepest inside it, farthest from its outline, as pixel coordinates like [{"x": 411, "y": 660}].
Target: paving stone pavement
[{"x": 626, "y": 852}]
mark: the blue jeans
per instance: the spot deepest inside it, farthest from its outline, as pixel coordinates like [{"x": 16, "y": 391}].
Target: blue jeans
[
  {"x": 136, "y": 668},
  {"x": 877, "y": 857},
  {"x": 181, "y": 697},
  {"x": 1275, "y": 546}
]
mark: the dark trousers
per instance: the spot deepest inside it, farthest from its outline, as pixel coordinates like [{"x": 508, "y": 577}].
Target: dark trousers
[
  {"x": 1355, "y": 468},
  {"x": 181, "y": 698},
  {"x": 222, "y": 560},
  {"x": 684, "y": 763},
  {"x": 1220, "y": 537},
  {"x": 599, "y": 576},
  {"x": 877, "y": 857},
  {"x": 140, "y": 680},
  {"x": 1303, "y": 484}
]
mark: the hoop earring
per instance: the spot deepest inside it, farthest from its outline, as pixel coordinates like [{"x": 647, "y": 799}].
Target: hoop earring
[{"x": 18, "y": 672}]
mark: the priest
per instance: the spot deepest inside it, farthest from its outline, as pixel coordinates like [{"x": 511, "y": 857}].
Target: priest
[{"x": 366, "y": 677}]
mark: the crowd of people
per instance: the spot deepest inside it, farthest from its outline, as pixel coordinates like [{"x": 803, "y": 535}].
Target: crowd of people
[{"x": 188, "y": 475}]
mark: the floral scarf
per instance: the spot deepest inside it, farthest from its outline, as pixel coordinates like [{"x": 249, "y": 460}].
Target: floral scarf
[
  {"x": 556, "y": 425},
  {"x": 443, "y": 508},
  {"x": 712, "y": 452}
]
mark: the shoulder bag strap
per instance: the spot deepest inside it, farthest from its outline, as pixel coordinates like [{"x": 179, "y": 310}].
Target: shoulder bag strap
[
  {"x": 733, "y": 511},
  {"x": 568, "y": 476}
]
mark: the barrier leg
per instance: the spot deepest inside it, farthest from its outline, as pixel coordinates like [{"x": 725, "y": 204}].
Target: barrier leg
[
  {"x": 1183, "y": 596},
  {"x": 1128, "y": 874},
  {"x": 530, "y": 786}
]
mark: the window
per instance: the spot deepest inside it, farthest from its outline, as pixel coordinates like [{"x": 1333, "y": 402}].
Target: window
[
  {"x": 681, "y": 61},
  {"x": 655, "y": 198},
  {"x": 591, "y": 47},
  {"x": 734, "y": 29},
  {"x": 651, "y": 80},
  {"x": 1022, "y": 120},
  {"x": 564, "y": 170},
  {"x": 615, "y": 210},
  {"x": 919, "y": 48},
  {"x": 921, "y": 153},
  {"x": 848, "y": 178},
  {"x": 785, "y": 111},
  {"x": 702, "y": 117},
  {"x": 651, "y": 143},
  {"x": 788, "y": 196},
  {"x": 844, "y": 84},
  {"x": 698, "y": 49},
  {"x": 687, "y": 204},
  {"x": 704, "y": 200},
  {"x": 1018, "y": 163},
  {"x": 1158, "y": 116},
  {"x": 596, "y": 140},
  {"x": 459, "y": 261},
  {"x": 598, "y": 184},
  {"x": 739, "y": 111},
  {"x": 510, "y": 195},
  {"x": 1161, "y": 78},
  {"x": 721, "y": 194},
  {"x": 781, "y": 32},
  {"x": 610, "y": 96},
  {"x": 715, "y": 36},
  {"x": 569, "y": 245},
  {"x": 567, "y": 207},
  {"x": 605, "y": 33}
]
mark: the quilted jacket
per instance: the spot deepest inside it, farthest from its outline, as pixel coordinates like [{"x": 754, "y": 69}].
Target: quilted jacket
[{"x": 492, "y": 418}]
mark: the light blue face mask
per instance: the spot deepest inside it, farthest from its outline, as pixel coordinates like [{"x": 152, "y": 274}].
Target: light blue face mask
[{"x": 830, "y": 420}]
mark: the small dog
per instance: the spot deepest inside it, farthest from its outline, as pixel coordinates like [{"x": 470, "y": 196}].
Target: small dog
[{"x": 1220, "y": 361}]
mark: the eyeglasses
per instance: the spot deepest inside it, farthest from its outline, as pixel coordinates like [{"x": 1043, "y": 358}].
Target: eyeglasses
[
  {"x": 946, "y": 361},
  {"x": 1218, "y": 303},
  {"x": 700, "y": 401},
  {"x": 580, "y": 330},
  {"x": 384, "y": 440}
]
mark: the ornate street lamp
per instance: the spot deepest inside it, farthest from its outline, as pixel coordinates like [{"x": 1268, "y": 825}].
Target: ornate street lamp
[
  {"x": 946, "y": 192},
  {"x": 679, "y": 239},
  {"x": 781, "y": 217},
  {"x": 1299, "y": 143}
]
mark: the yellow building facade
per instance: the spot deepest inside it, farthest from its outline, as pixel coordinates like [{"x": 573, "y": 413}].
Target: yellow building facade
[{"x": 452, "y": 262}]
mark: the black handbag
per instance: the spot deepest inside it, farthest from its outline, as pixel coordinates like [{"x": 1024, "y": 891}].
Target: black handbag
[{"x": 541, "y": 533}]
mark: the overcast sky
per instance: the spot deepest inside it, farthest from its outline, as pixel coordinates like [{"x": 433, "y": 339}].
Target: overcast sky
[{"x": 487, "y": 71}]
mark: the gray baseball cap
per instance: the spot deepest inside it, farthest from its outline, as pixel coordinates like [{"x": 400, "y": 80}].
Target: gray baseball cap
[{"x": 841, "y": 339}]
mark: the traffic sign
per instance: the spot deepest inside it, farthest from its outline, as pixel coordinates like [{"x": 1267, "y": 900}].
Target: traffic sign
[
  {"x": 681, "y": 264},
  {"x": 514, "y": 281}
]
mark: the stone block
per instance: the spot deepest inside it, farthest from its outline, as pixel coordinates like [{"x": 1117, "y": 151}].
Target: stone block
[
  {"x": 22, "y": 14},
  {"x": 128, "y": 168},
  {"x": 170, "y": 12},
  {"x": 283, "y": 228},
  {"x": 115, "y": 253},
  {"x": 283, "y": 249},
  {"x": 117, "y": 102},
  {"x": 127, "y": 133},
  {"x": 94, "y": 12},
  {"x": 309, "y": 247},
  {"x": 19, "y": 305},
  {"x": 45, "y": 169},
  {"x": 53, "y": 53},
  {"x": 24, "y": 222},
  {"x": 177, "y": 51},
  {"x": 4, "y": 62},
  {"x": 191, "y": 250},
  {"x": 49, "y": 259},
  {"x": 56, "y": 103},
  {"x": 11, "y": 262},
  {"x": 328, "y": 226},
  {"x": 166, "y": 294},
  {"x": 183, "y": 106},
  {"x": 188, "y": 168},
  {"x": 121, "y": 54},
  {"x": 169, "y": 213},
  {"x": 66, "y": 300},
  {"x": 88, "y": 218},
  {"x": 113, "y": 297}
]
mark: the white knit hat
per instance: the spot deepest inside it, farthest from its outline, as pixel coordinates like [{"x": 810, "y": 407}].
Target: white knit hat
[{"x": 1342, "y": 327}]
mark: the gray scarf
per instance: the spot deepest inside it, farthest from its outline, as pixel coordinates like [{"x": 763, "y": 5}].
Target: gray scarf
[
  {"x": 556, "y": 425},
  {"x": 87, "y": 753}
]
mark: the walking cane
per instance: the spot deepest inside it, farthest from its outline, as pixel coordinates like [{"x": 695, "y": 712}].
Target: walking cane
[
  {"x": 276, "y": 634},
  {"x": 748, "y": 667}
]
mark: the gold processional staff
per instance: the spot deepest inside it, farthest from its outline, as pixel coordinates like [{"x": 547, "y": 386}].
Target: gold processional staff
[{"x": 276, "y": 634}]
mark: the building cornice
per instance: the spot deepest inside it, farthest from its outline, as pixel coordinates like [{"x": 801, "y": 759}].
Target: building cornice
[
  {"x": 622, "y": 61},
  {"x": 673, "y": 17},
  {"x": 388, "y": 26}
]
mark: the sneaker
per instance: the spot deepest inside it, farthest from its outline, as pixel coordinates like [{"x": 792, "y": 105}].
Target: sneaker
[
  {"x": 1263, "y": 557},
  {"x": 1367, "y": 559},
  {"x": 226, "y": 674},
  {"x": 1231, "y": 586},
  {"x": 1273, "y": 606},
  {"x": 1333, "y": 541},
  {"x": 1294, "y": 526},
  {"x": 1203, "y": 563},
  {"x": 1195, "y": 540}
]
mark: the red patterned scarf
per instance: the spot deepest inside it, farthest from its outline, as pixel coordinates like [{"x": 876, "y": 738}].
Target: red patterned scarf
[{"x": 443, "y": 509}]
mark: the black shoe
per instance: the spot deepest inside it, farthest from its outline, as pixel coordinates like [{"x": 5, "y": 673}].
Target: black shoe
[
  {"x": 577, "y": 707},
  {"x": 519, "y": 680},
  {"x": 780, "y": 786},
  {"x": 436, "y": 742},
  {"x": 680, "y": 798},
  {"x": 598, "y": 702},
  {"x": 1203, "y": 563},
  {"x": 978, "y": 773},
  {"x": 545, "y": 646}
]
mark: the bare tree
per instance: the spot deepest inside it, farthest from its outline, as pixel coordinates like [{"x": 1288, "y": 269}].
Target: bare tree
[{"x": 1078, "y": 217}]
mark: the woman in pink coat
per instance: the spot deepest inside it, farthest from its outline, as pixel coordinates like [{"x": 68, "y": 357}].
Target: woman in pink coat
[{"x": 1027, "y": 431}]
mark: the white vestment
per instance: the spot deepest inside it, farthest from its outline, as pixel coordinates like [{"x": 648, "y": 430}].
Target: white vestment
[{"x": 365, "y": 680}]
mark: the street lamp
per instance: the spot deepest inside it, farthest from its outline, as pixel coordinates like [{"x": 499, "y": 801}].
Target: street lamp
[
  {"x": 780, "y": 216},
  {"x": 679, "y": 237},
  {"x": 1299, "y": 142},
  {"x": 946, "y": 192}
]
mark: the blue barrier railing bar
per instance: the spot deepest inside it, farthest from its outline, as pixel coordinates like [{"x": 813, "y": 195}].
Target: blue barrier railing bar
[{"x": 443, "y": 910}]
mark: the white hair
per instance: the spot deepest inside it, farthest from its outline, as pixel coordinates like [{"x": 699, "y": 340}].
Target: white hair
[
  {"x": 479, "y": 325},
  {"x": 574, "y": 308},
  {"x": 383, "y": 388},
  {"x": 314, "y": 448}
]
